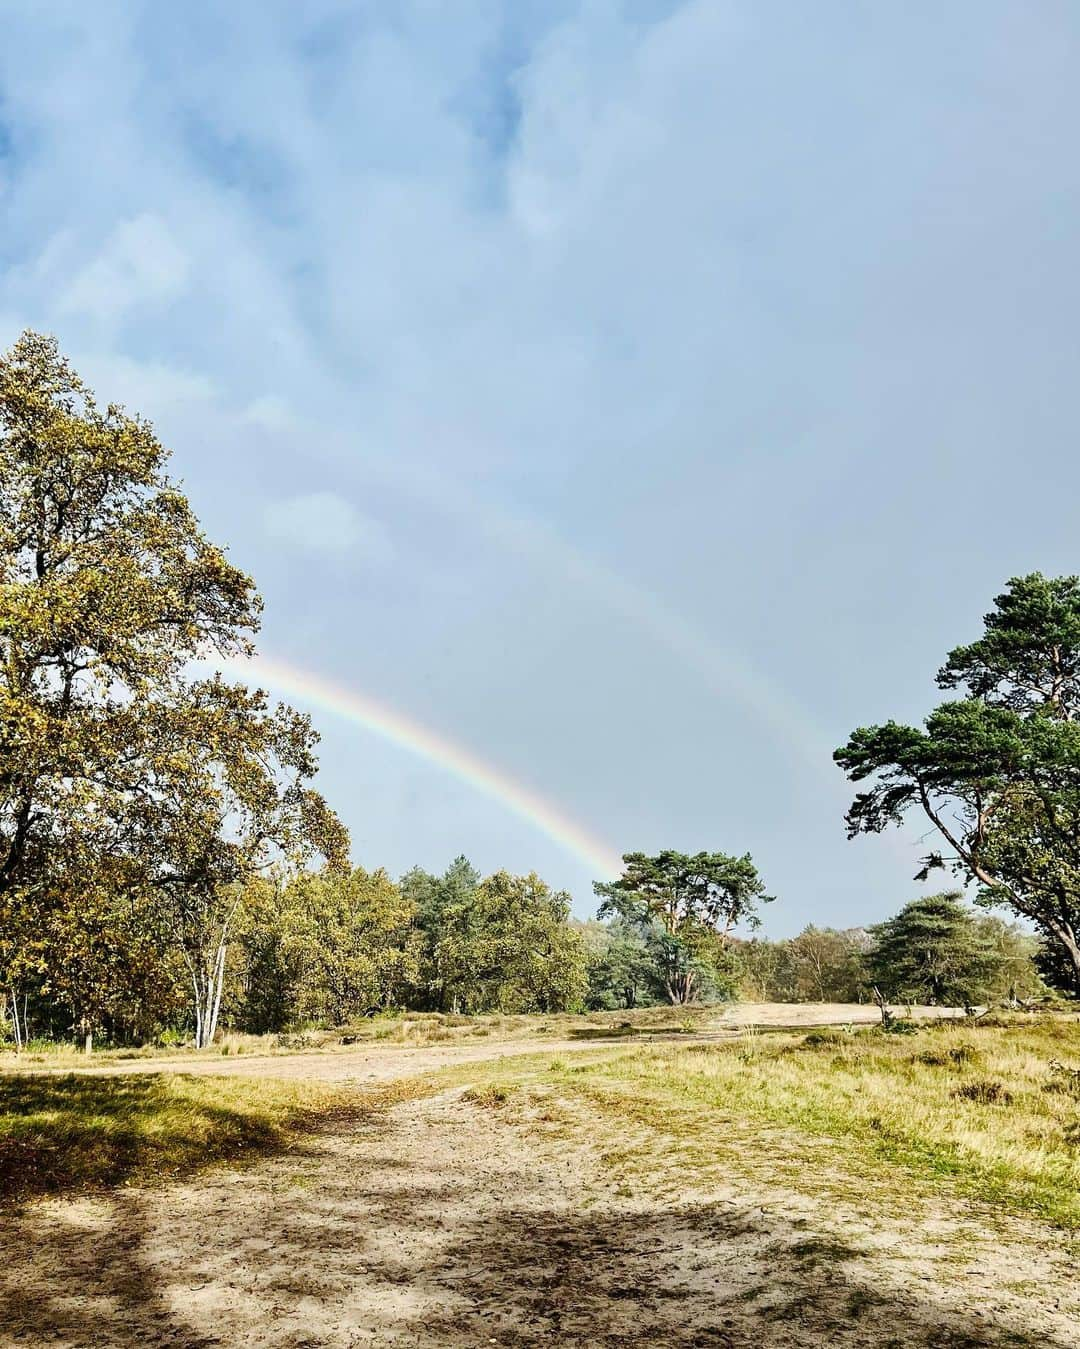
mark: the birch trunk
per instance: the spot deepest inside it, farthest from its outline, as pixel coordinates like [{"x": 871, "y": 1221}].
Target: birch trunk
[{"x": 207, "y": 970}]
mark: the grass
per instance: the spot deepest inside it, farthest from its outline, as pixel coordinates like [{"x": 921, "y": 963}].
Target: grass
[
  {"x": 406, "y": 1029},
  {"x": 977, "y": 1110},
  {"x": 68, "y": 1133}
]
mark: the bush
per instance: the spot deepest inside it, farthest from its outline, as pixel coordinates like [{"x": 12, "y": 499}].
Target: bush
[
  {"x": 1064, "y": 1078},
  {"x": 825, "y": 1036},
  {"x": 954, "y": 1057},
  {"x": 987, "y": 1092}
]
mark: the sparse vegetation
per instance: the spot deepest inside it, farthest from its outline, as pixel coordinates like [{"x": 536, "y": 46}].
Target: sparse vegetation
[
  {"x": 984, "y": 1112},
  {"x": 61, "y": 1133},
  {"x": 158, "y": 843}
]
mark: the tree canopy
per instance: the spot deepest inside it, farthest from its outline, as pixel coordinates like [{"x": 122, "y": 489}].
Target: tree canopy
[
  {"x": 121, "y": 773},
  {"x": 996, "y": 771},
  {"x": 692, "y": 901},
  {"x": 935, "y": 950}
]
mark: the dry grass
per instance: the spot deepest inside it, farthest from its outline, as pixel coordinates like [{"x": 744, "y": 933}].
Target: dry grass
[
  {"x": 988, "y": 1111},
  {"x": 409, "y": 1029},
  {"x": 976, "y": 1110},
  {"x": 63, "y": 1133}
]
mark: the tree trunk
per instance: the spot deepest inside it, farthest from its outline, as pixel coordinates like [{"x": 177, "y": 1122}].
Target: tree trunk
[
  {"x": 680, "y": 988},
  {"x": 1065, "y": 934},
  {"x": 207, "y": 983},
  {"x": 18, "y": 1027},
  {"x": 207, "y": 970},
  {"x": 1068, "y": 940}
]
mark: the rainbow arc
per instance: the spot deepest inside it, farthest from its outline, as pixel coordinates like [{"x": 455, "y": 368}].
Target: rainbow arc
[{"x": 378, "y": 718}]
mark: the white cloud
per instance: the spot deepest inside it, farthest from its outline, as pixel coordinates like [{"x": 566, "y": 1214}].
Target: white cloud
[
  {"x": 325, "y": 523},
  {"x": 678, "y": 284},
  {"x": 140, "y": 264},
  {"x": 150, "y": 388},
  {"x": 270, "y": 413}
]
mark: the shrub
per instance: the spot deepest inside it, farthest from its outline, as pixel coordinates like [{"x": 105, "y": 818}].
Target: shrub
[
  {"x": 1064, "y": 1078},
  {"x": 986, "y": 1092},
  {"x": 954, "y": 1057}
]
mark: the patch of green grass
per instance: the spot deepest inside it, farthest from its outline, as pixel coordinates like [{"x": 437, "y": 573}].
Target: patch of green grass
[
  {"x": 62, "y": 1133},
  {"x": 969, "y": 1109}
]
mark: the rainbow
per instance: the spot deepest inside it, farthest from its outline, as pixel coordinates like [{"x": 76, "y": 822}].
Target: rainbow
[{"x": 391, "y": 725}]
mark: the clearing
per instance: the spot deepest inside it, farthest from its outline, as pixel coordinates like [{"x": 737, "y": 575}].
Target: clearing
[{"x": 724, "y": 1187}]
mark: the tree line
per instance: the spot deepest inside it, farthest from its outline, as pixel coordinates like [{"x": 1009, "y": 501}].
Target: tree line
[
  {"x": 166, "y": 861},
  {"x": 936, "y": 950}
]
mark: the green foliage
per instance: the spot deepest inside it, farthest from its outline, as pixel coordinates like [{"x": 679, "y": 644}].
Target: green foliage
[
  {"x": 321, "y": 948},
  {"x": 996, "y": 772},
  {"x": 1056, "y": 968},
  {"x": 622, "y": 967},
  {"x": 328, "y": 948},
  {"x": 685, "y": 907},
  {"x": 126, "y": 785},
  {"x": 435, "y": 899},
  {"x": 505, "y": 945},
  {"x": 819, "y": 965},
  {"x": 107, "y": 588},
  {"x": 351, "y": 939},
  {"x": 936, "y": 950},
  {"x": 500, "y": 944}
]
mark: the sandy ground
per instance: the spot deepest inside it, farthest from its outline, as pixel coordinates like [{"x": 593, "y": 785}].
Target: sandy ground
[
  {"x": 444, "y": 1221},
  {"x": 368, "y": 1064}
]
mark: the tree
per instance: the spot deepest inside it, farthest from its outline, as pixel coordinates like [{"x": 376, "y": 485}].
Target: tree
[
  {"x": 107, "y": 590},
  {"x": 240, "y": 809},
  {"x": 1013, "y": 970},
  {"x": 622, "y": 967},
  {"x": 996, "y": 772},
  {"x": 1057, "y": 970},
  {"x": 438, "y": 900},
  {"x": 936, "y": 950},
  {"x": 829, "y": 965},
  {"x": 693, "y": 901},
  {"x": 111, "y": 755},
  {"x": 262, "y": 973},
  {"x": 766, "y": 970},
  {"x": 107, "y": 957},
  {"x": 506, "y": 945},
  {"x": 351, "y": 941}
]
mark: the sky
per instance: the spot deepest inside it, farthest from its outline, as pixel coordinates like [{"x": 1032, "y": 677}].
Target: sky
[{"x": 627, "y": 398}]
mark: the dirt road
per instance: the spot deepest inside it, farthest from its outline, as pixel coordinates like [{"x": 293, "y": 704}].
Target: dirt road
[
  {"x": 457, "y": 1220},
  {"x": 374, "y": 1062},
  {"x": 441, "y": 1223}
]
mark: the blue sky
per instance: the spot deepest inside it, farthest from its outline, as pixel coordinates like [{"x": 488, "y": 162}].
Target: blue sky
[{"x": 642, "y": 394}]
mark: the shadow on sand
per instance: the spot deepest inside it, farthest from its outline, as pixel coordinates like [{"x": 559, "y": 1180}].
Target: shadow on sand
[{"x": 344, "y": 1245}]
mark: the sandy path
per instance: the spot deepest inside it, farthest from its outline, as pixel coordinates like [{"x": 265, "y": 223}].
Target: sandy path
[
  {"x": 446, "y": 1223},
  {"x": 372, "y": 1063}
]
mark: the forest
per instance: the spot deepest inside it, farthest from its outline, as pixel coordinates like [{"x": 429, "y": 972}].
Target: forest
[{"x": 167, "y": 867}]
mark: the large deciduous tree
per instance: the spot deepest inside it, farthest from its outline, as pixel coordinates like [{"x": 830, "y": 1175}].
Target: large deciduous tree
[
  {"x": 996, "y": 771},
  {"x": 694, "y": 901},
  {"x": 114, "y": 760},
  {"x": 350, "y": 937},
  {"x": 238, "y": 807},
  {"x": 500, "y": 944}
]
